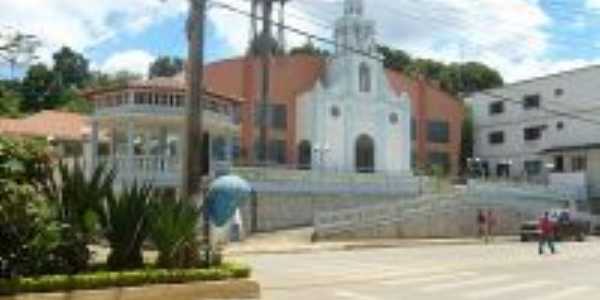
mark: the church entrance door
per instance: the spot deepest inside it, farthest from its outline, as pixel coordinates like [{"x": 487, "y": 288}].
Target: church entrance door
[
  {"x": 304, "y": 155},
  {"x": 365, "y": 154}
]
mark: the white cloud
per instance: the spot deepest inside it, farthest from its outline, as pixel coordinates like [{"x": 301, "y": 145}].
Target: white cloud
[
  {"x": 136, "y": 61},
  {"x": 510, "y": 35},
  {"x": 84, "y": 24},
  {"x": 592, "y": 4}
]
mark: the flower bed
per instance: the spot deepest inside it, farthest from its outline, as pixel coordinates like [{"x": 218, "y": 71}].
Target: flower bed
[{"x": 104, "y": 280}]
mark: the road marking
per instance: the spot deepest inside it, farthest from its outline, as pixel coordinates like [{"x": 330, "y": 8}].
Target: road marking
[
  {"x": 351, "y": 295},
  {"x": 466, "y": 283},
  {"x": 507, "y": 289},
  {"x": 426, "y": 279},
  {"x": 565, "y": 293}
]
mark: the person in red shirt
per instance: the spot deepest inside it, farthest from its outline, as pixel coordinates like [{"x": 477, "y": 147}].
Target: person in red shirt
[{"x": 547, "y": 233}]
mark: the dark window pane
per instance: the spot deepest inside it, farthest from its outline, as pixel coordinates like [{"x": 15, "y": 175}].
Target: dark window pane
[
  {"x": 559, "y": 164},
  {"x": 277, "y": 151},
  {"x": 496, "y": 138},
  {"x": 438, "y": 132},
  {"x": 532, "y": 133},
  {"x": 279, "y": 116},
  {"x": 579, "y": 163},
  {"x": 496, "y": 108},
  {"x": 531, "y": 102},
  {"x": 533, "y": 168}
]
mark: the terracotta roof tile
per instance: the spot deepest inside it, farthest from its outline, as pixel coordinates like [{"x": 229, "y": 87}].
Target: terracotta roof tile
[{"x": 60, "y": 125}]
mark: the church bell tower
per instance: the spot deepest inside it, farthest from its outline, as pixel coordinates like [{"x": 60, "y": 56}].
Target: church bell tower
[{"x": 353, "y": 32}]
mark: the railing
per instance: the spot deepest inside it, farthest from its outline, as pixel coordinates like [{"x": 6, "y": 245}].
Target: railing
[{"x": 145, "y": 168}]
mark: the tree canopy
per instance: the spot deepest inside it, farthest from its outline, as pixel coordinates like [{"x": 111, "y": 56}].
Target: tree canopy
[
  {"x": 455, "y": 78},
  {"x": 166, "y": 66},
  {"x": 309, "y": 49},
  {"x": 71, "y": 68}
]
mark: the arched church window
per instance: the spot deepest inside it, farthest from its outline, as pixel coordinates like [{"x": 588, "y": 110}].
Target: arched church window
[
  {"x": 364, "y": 78},
  {"x": 335, "y": 112},
  {"x": 394, "y": 118}
]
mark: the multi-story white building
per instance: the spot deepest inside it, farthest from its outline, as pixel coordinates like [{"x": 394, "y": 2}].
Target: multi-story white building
[
  {"x": 142, "y": 126},
  {"x": 521, "y": 128}
]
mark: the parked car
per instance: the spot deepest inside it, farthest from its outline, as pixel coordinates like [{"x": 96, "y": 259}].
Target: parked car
[{"x": 567, "y": 227}]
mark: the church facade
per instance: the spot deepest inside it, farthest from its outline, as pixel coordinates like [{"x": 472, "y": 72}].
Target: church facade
[{"x": 352, "y": 119}]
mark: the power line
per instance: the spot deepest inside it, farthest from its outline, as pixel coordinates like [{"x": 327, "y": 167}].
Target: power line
[{"x": 378, "y": 58}]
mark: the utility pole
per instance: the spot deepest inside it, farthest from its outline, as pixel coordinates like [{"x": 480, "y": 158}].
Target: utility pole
[
  {"x": 193, "y": 137},
  {"x": 192, "y": 165},
  {"x": 266, "y": 39}
]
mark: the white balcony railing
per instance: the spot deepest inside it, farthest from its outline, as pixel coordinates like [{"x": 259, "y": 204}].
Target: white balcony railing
[{"x": 158, "y": 170}]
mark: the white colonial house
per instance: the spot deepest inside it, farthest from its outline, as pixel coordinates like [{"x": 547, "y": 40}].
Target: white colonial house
[
  {"x": 352, "y": 117},
  {"x": 142, "y": 125},
  {"x": 544, "y": 129}
]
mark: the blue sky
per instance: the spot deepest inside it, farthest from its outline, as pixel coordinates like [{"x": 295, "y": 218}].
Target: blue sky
[{"x": 521, "y": 38}]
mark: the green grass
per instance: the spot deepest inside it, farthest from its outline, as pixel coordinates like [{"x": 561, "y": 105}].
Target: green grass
[{"x": 103, "y": 280}]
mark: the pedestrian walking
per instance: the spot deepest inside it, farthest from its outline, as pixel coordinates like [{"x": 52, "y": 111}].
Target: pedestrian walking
[
  {"x": 481, "y": 224},
  {"x": 547, "y": 234},
  {"x": 490, "y": 221}
]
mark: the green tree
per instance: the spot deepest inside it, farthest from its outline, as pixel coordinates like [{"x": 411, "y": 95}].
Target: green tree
[
  {"x": 394, "y": 59},
  {"x": 166, "y": 66},
  {"x": 469, "y": 77},
  {"x": 257, "y": 43},
  {"x": 70, "y": 68},
  {"x": 309, "y": 49},
  {"x": 38, "y": 85},
  {"x": 10, "y": 102},
  {"x": 73, "y": 102}
]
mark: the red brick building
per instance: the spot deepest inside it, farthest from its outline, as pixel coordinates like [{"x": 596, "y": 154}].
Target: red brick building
[{"x": 437, "y": 116}]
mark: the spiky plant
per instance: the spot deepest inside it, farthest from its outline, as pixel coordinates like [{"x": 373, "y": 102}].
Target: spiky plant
[
  {"x": 126, "y": 225},
  {"x": 174, "y": 224},
  {"x": 79, "y": 199}
]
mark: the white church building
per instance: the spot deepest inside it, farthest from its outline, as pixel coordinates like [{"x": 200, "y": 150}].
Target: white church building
[{"x": 352, "y": 118}]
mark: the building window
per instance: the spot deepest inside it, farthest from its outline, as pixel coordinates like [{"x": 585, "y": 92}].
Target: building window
[
  {"x": 496, "y": 138},
  {"x": 579, "y": 163},
  {"x": 277, "y": 151},
  {"x": 279, "y": 116},
  {"x": 496, "y": 108},
  {"x": 439, "y": 160},
  {"x": 335, "y": 111},
  {"x": 438, "y": 132},
  {"x": 560, "y": 125},
  {"x": 364, "y": 78},
  {"x": 533, "y": 167},
  {"x": 559, "y": 164},
  {"x": 531, "y": 102},
  {"x": 559, "y": 92},
  {"x": 394, "y": 118},
  {"x": 532, "y": 133}
]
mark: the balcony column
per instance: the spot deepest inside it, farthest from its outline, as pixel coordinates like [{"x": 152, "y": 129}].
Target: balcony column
[
  {"x": 94, "y": 146},
  {"x": 130, "y": 146}
]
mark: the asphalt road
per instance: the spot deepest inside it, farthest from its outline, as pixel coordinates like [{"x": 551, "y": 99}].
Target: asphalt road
[{"x": 503, "y": 271}]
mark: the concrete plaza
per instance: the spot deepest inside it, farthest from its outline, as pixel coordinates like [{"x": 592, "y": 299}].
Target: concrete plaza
[{"x": 497, "y": 271}]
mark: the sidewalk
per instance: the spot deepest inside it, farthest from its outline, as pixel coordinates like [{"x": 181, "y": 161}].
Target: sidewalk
[{"x": 298, "y": 241}]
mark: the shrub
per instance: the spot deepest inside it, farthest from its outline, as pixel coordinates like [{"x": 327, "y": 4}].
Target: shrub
[
  {"x": 125, "y": 221},
  {"x": 80, "y": 200},
  {"x": 102, "y": 280},
  {"x": 32, "y": 241},
  {"x": 173, "y": 232}
]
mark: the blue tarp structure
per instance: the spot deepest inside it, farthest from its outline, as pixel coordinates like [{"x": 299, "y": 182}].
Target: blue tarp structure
[{"x": 225, "y": 195}]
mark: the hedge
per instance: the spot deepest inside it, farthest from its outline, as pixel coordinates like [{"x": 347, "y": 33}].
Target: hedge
[{"x": 103, "y": 280}]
